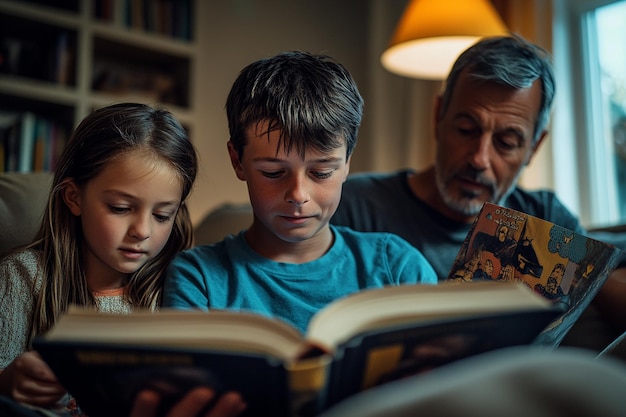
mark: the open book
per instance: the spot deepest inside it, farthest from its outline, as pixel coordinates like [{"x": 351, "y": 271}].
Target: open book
[
  {"x": 357, "y": 342},
  {"x": 558, "y": 263}
]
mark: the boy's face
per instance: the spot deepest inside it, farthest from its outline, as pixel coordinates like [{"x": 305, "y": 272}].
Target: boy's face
[{"x": 293, "y": 197}]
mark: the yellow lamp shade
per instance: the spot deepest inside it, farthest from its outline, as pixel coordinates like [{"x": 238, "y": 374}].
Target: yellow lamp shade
[{"x": 432, "y": 33}]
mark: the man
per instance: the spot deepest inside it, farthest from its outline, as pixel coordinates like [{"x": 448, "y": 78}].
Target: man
[{"x": 489, "y": 121}]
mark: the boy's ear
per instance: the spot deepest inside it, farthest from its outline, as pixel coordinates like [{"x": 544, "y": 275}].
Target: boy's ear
[
  {"x": 72, "y": 197},
  {"x": 347, "y": 170},
  {"x": 235, "y": 161}
]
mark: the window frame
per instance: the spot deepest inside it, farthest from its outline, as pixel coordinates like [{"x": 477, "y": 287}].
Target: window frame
[{"x": 584, "y": 171}]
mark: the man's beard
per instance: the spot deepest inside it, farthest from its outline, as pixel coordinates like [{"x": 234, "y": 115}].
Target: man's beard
[{"x": 467, "y": 204}]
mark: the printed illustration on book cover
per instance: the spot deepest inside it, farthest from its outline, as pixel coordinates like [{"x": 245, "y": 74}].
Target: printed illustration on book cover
[{"x": 559, "y": 264}]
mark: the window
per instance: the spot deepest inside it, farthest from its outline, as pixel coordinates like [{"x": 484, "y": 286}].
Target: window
[{"x": 589, "y": 129}]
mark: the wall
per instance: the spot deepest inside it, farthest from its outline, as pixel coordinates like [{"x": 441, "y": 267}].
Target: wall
[
  {"x": 533, "y": 20},
  {"x": 397, "y": 125},
  {"x": 232, "y": 34}
]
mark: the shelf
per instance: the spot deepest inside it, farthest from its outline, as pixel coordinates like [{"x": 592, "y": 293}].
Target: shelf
[
  {"x": 60, "y": 16},
  {"x": 37, "y": 90},
  {"x": 157, "y": 43},
  {"x": 168, "y": 19},
  {"x": 125, "y": 69},
  {"x": 37, "y": 50},
  {"x": 62, "y": 59}
]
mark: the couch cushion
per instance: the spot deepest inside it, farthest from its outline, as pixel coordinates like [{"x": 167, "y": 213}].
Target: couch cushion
[
  {"x": 222, "y": 221},
  {"x": 22, "y": 201}
]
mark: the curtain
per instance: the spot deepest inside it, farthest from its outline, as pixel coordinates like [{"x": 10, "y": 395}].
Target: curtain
[
  {"x": 532, "y": 19},
  {"x": 399, "y": 111}
]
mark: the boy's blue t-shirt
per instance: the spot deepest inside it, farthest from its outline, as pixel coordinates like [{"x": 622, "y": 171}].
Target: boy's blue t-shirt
[
  {"x": 438, "y": 237},
  {"x": 229, "y": 274}
]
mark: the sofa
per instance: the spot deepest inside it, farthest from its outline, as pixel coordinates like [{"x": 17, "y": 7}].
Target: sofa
[
  {"x": 22, "y": 200},
  {"x": 23, "y": 197}
]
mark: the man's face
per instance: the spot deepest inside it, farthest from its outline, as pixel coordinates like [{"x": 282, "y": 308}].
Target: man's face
[{"x": 484, "y": 139}]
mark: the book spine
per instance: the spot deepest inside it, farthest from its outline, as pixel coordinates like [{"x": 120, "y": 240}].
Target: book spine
[
  {"x": 27, "y": 142},
  {"x": 42, "y": 136},
  {"x": 9, "y": 125}
]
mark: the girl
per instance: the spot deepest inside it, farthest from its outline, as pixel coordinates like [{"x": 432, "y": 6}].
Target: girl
[{"x": 115, "y": 217}]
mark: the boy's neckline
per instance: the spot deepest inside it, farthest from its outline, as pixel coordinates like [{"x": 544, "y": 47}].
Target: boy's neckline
[{"x": 269, "y": 246}]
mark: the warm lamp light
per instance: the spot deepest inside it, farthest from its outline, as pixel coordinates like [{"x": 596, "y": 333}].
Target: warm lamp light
[{"x": 432, "y": 33}]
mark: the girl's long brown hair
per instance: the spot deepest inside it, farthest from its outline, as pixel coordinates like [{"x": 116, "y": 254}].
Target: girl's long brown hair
[{"x": 102, "y": 136}]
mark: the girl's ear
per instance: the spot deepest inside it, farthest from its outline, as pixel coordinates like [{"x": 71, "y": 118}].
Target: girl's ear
[
  {"x": 71, "y": 196},
  {"x": 236, "y": 161}
]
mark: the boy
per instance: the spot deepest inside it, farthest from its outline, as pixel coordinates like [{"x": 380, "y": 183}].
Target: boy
[{"x": 293, "y": 122}]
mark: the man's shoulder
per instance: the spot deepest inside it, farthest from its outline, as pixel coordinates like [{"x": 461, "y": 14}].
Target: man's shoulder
[
  {"x": 533, "y": 202},
  {"x": 543, "y": 204},
  {"x": 373, "y": 179},
  {"x": 533, "y": 195},
  {"x": 375, "y": 188}
]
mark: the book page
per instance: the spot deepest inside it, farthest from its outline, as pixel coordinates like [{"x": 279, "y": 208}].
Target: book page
[
  {"x": 413, "y": 304},
  {"x": 216, "y": 330}
]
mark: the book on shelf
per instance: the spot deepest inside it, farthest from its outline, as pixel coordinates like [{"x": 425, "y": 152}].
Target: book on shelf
[
  {"x": 47, "y": 57},
  {"x": 27, "y": 142},
  {"x": 9, "y": 140},
  {"x": 357, "y": 342},
  {"x": 560, "y": 264},
  {"x": 56, "y": 142},
  {"x": 171, "y": 18},
  {"x": 41, "y": 145},
  {"x": 62, "y": 62}
]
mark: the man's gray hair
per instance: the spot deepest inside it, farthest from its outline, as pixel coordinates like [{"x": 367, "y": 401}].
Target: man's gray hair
[{"x": 507, "y": 60}]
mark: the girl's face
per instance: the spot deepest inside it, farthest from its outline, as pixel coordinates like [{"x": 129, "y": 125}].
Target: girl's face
[{"x": 127, "y": 213}]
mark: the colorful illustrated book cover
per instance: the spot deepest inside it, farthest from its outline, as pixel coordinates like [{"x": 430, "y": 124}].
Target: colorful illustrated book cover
[{"x": 558, "y": 263}]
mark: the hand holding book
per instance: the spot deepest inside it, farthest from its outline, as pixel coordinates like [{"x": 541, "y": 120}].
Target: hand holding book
[{"x": 360, "y": 341}]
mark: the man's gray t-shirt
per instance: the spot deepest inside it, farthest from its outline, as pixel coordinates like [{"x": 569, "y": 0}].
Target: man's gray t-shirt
[{"x": 384, "y": 202}]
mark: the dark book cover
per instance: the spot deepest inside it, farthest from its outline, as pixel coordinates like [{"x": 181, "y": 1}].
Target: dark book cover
[
  {"x": 378, "y": 357},
  {"x": 105, "y": 379}
]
